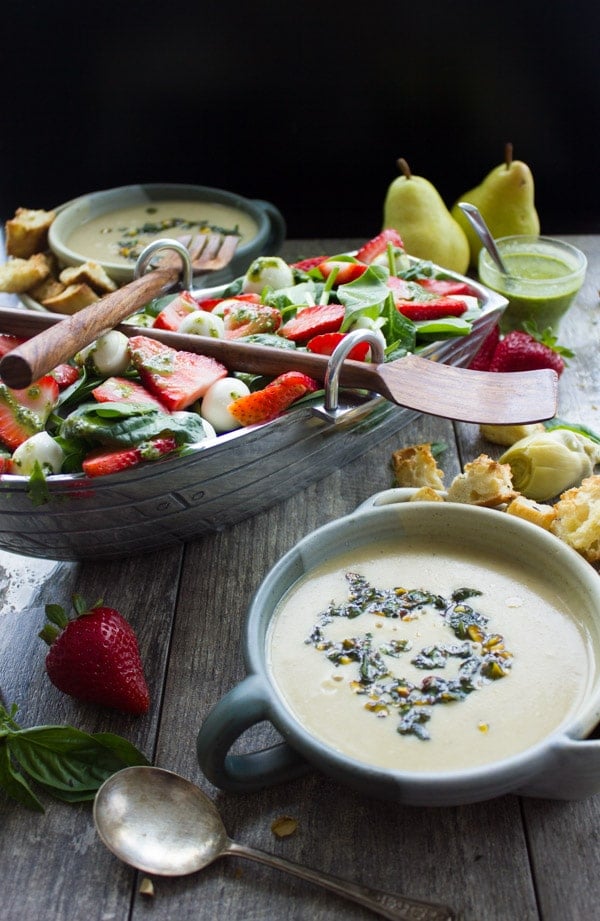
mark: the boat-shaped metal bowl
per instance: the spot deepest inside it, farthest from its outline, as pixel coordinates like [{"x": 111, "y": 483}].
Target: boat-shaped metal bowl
[{"x": 218, "y": 482}]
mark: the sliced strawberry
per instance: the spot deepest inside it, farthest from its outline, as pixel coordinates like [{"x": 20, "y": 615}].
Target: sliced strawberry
[
  {"x": 65, "y": 375},
  {"x": 177, "y": 378},
  {"x": 210, "y": 303},
  {"x": 122, "y": 390},
  {"x": 483, "y": 357},
  {"x": 305, "y": 265},
  {"x": 24, "y": 412},
  {"x": 311, "y": 321},
  {"x": 173, "y": 313},
  {"x": 264, "y": 405},
  {"x": 245, "y": 319},
  {"x": 519, "y": 351},
  {"x": 102, "y": 462},
  {"x": 446, "y": 286},
  {"x": 327, "y": 342},
  {"x": 346, "y": 271},
  {"x": 432, "y": 309},
  {"x": 8, "y": 343},
  {"x": 401, "y": 289},
  {"x": 5, "y": 464},
  {"x": 376, "y": 247}
]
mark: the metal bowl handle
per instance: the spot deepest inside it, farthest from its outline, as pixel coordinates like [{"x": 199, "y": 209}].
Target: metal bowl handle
[
  {"x": 144, "y": 258},
  {"x": 244, "y": 706}
]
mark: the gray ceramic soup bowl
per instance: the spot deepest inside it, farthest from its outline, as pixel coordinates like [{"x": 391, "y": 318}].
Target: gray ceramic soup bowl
[{"x": 563, "y": 765}]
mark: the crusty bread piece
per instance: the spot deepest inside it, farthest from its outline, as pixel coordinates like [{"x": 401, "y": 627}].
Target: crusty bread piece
[
  {"x": 19, "y": 275},
  {"x": 426, "y": 494},
  {"x": 542, "y": 515},
  {"x": 27, "y": 232},
  {"x": 72, "y": 299},
  {"x": 49, "y": 287},
  {"x": 483, "y": 482},
  {"x": 509, "y": 434},
  {"x": 416, "y": 466},
  {"x": 577, "y": 520},
  {"x": 88, "y": 273}
]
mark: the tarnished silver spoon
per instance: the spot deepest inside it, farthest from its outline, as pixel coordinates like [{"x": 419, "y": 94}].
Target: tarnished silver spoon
[
  {"x": 483, "y": 232},
  {"x": 165, "y": 825}
]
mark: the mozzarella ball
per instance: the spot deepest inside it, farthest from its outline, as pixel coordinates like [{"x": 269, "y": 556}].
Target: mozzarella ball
[
  {"x": 40, "y": 448},
  {"x": 109, "y": 354},
  {"x": 267, "y": 272},
  {"x": 202, "y": 323},
  {"x": 215, "y": 402}
]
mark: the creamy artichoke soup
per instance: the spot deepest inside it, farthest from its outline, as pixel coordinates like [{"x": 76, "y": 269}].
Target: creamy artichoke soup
[
  {"x": 121, "y": 235},
  {"x": 428, "y": 659}
]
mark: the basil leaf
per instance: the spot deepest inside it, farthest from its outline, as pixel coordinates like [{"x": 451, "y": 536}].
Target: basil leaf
[
  {"x": 68, "y": 763},
  {"x": 14, "y": 784}
]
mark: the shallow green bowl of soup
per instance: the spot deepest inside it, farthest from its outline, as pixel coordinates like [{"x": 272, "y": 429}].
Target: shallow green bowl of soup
[
  {"x": 112, "y": 227},
  {"x": 429, "y": 653}
]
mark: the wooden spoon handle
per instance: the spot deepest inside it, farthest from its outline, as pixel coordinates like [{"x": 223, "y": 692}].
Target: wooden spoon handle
[{"x": 64, "y": 339}]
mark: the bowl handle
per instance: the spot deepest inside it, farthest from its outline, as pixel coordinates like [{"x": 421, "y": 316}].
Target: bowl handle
[
  {"x": 244, "y": 706},
  {"x": 277, "y": 225},
  {"x": 571, "y": 771},
  {"x": 390, "y": 497}
]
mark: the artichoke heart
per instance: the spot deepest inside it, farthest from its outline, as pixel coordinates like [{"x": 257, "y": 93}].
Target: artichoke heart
[{"x": 546, "y": 463}]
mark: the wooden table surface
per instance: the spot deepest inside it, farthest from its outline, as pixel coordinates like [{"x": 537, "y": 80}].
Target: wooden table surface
[{"x": 509, "y": 858}]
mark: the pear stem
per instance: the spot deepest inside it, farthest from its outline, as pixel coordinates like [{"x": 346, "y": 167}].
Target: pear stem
[
  {"x": 508, "y": 155},
  {"x": 405, "y": 168}
]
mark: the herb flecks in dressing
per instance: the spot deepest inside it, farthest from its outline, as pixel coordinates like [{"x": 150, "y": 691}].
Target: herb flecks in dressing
[{"x": 483, "y": 655}]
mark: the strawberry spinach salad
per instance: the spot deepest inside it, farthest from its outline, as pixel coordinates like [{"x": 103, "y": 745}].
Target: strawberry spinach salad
[{"x": 126, "y": 400}]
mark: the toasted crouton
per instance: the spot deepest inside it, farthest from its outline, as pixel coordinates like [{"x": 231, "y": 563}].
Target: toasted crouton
[
  {"x": 577, "y": 519},
  {"x": 72, "y": 299},
  {"x": 88, "y": 273},
  {"x": 426, "y": 494},
  {"x": 542, "y": 515},
  {"x": 49, "y": 287},
  {"x": 483, "y": 482},
  {"x": 416, "y": 466},
  {"x": 27, "y": 232},
  {"x": 19, "y": 275}
]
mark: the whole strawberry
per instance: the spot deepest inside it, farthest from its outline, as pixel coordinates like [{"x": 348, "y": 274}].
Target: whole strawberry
[
  {"x": 94, "y": 656},
  {"x": 521, "y": 351}
]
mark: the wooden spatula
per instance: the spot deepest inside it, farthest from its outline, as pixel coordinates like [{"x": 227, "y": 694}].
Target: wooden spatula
[{"x": 417, "y": 383}]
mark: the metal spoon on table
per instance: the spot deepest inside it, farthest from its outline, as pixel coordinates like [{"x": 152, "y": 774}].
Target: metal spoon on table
[
  {"x": 165, "y": 825},
  {"x": 483, "y": 232}
]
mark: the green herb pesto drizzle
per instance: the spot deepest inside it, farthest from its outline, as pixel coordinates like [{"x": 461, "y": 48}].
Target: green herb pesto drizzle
[{"x": 483, "y": 654}]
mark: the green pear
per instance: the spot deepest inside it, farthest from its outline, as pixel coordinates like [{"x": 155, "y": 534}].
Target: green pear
[
  {"x": 414, "y": 208},
  {"x": 505, "y": 199}
]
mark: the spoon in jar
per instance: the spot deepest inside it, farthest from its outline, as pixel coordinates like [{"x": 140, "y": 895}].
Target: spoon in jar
[
  {"x": 163, "y": 824},
  {"x": 483, "y": 232}
]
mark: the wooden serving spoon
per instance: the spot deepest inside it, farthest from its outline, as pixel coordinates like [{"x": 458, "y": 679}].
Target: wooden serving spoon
[{"x": 414, "y": 382}]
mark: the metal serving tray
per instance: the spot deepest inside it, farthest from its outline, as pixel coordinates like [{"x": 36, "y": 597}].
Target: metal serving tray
[{"x": 217, "y": 484}]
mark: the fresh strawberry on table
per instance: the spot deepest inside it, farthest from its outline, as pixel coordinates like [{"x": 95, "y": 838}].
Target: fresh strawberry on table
[
  {"x": 101, "y": 462},
  {"x": 519, "y": 350},
  {"x": 94, "y": 656},
  {"x": 485, "y": 354},
  {"x": 312, "y": 321},
  {"x": 177, "y": 378},
  {"x": 268, "y": 403},
  {"x": 24, "y": 412}
]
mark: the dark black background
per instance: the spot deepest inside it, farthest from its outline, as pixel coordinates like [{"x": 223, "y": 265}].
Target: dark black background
[{"x": 308, "y": 105}]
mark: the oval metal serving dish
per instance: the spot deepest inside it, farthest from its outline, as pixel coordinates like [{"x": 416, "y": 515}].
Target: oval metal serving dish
[{"x": 217, "y": 483}]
